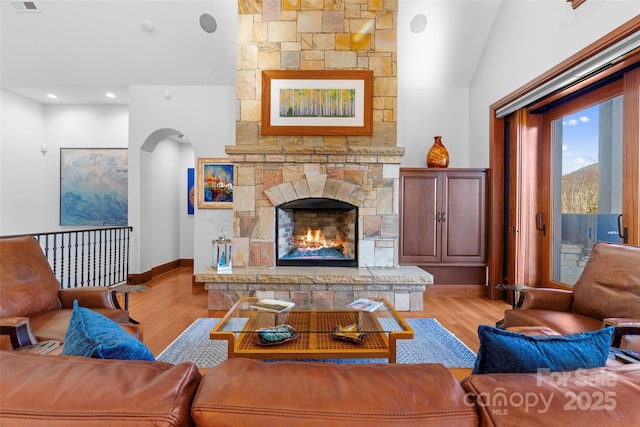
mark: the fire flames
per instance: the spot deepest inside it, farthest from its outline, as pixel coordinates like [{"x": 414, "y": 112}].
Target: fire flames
[{"x": 315, "y": 240}]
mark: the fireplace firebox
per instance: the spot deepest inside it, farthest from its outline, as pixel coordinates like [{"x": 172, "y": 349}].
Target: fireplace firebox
[{"x": 317, "y": 232}]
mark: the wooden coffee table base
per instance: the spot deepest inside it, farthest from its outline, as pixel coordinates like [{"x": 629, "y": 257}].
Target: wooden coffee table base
[{"x": 312, "y": 342}]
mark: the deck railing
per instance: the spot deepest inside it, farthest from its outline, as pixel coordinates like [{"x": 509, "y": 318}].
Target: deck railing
[{"x": 89, "y": 257}]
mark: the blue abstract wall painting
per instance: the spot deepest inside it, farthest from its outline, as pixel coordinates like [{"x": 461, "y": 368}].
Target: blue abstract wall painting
[
  {"x": 94, "y": 186},
  {"x": 191, "y": 191}
]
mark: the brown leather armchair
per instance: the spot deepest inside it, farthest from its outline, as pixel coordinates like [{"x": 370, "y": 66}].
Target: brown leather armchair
[
  {"x": 607, "y": 293},
  {"x": 32, "y": 306}
]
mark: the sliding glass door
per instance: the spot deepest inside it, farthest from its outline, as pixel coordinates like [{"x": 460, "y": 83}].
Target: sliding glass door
[
  {"x": 565, "y": 171},
  {"x": 586, "y": 205}
]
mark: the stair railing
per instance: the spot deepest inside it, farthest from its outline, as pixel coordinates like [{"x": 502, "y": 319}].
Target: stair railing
[{"x": 88, "y": 257}]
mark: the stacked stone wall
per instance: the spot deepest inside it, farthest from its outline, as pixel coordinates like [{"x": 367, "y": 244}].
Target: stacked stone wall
[{"x": 316, "y": 35}]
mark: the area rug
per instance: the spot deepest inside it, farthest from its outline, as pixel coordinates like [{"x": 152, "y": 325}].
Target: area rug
[{"x": 432, "y": 343}]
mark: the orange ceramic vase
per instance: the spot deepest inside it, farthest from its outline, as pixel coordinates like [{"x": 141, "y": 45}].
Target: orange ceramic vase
[{"x": 438, "y": 156}]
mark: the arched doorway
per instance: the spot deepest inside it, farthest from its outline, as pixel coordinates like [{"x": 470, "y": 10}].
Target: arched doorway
[{"x": 167, "y": 231}]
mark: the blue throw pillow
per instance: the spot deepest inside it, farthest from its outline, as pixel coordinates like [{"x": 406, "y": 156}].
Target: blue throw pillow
[
  {"x": 504, "y": 351},
  {"x": 91, "y": 334}
]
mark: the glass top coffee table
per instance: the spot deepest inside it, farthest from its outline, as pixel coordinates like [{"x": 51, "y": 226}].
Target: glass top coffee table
[{"x": 316, "y": 332}]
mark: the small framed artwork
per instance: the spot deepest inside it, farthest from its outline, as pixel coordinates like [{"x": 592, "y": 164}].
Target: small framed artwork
[
  {"x": 215, "y": 183},
  {"x": 309, "y": 102},
  {"x": 191, "y": 190}
]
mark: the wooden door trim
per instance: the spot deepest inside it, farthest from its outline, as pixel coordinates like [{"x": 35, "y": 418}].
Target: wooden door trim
[
  {"x": 496, "y": 193},
  {"x": 496, "y": 258},
  {"x": 631, "y": 158},
  {"x": 620, "y": 33}
]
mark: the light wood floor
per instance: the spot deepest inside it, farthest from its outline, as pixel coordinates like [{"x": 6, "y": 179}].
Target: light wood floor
[{"x": 172, "y": 303}]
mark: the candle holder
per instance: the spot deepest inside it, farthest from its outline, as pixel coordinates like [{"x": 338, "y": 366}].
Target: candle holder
[{"x": 222, "y": 255}]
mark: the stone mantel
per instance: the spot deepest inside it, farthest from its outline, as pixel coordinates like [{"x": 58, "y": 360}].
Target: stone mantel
[
  {"x": 324, "y": 286},
  {"x": 309, "y": 154}
]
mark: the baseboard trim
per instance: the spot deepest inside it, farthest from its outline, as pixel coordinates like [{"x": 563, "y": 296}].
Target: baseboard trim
[
  {"x": 140, "y": 278},
  {"x": 186, "y": 262},
  {"x": 137, "y": 279}
]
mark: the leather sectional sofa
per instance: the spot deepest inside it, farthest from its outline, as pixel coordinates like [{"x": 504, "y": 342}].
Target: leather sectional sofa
[
  {"x": 75, "y": 391},
  {"x": 55, "y": 390},
  {"x": 606, "y": 293},
  {"x": 33, "y": 308}
]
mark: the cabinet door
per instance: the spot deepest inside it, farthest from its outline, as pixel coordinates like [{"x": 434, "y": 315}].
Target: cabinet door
[
  {"x": 420, "y": 236},
  {"x": 463, "y": 217}
]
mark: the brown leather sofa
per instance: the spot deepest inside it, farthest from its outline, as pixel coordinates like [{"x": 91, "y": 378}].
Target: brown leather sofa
[
  {"x": 44, "y": 390},
  {"x": 597, "y": 397},
  {"x": 40, "y": 390},
  {"x": 248, "y": 393},
  {"x": 33, "y": 307},
  {"x": 606, "y": 293}
]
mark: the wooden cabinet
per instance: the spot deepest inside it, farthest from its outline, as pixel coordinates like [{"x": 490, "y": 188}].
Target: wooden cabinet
[{"x": 443, "y": 223}]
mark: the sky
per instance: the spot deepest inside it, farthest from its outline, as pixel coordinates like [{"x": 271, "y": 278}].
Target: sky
[{"x": 580, "y": 139}]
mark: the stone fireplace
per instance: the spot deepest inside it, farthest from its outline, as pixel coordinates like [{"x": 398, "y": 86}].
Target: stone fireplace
[
  {"x": 361, "y": 171},
  {"x": 363, "y": 177},
  {"x": 316, "y": 232}
]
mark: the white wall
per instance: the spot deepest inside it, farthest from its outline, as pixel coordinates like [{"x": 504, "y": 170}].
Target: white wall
[
  {"x": 187, "y": 159},
  {"x": 529, "y": 38},
  {"x": 170, "y": 228},
  {"x": 206, "y": 116},
  {"x": 78, "y": 126},
  {"x": 22, "y": 172},
  {"x": 425, "y": 112},
  {"x": 30, "y": 196},
  {"x": 29, "y": 179},
  {"x": 426, "y": 108},
  {"x": 165, "y": 199},
  {"x": 433, "y": 79}
]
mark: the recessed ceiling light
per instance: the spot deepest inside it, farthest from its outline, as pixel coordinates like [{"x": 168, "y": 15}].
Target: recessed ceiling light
[
  {"x": 110, "y": 95},
  {"x": 208, "y": 23},
  {"x": 52, "y": 96}
]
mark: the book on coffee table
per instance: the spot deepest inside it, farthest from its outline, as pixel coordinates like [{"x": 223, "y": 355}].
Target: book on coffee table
[
  {"x": 273, "y": 305},
  {"x": 365, "y": 304}
]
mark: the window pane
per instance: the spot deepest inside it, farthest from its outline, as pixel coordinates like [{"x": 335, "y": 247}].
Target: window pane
[{"x": 587, "y": 184}]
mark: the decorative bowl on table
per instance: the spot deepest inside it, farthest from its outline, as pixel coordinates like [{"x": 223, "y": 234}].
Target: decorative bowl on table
[
  {"x": 349, "y": 333},
  {"x": 275, "y": 335}
]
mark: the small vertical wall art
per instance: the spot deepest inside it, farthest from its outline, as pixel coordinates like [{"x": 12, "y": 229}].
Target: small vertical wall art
[{"x": 191, "y": 191}]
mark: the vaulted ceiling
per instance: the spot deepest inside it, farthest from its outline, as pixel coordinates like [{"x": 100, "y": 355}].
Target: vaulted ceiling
[{"x": 80, "y": 49}]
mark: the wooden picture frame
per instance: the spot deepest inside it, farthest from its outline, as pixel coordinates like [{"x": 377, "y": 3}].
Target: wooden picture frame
[
  {"x": 310, "y": 102},
  {"x": 215, "y": 183}
]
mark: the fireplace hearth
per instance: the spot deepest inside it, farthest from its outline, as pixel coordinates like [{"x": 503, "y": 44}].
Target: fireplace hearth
[{"x": 316, "y": 231}]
